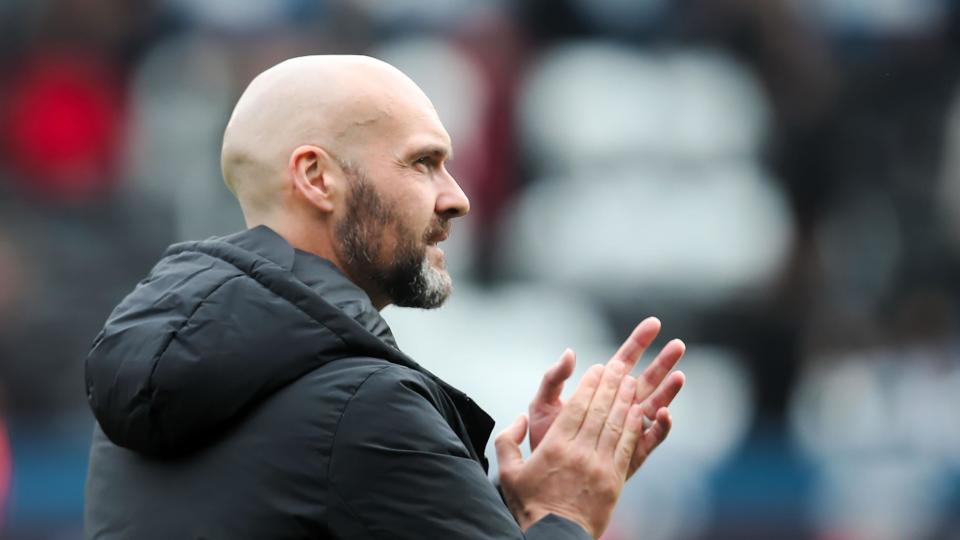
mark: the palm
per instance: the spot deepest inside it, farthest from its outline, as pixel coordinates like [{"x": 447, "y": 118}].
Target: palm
[
  {"x": 656, "y": 388},
  {"x": 542, "y": 416}
]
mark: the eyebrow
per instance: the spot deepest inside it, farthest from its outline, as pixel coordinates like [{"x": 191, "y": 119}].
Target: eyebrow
[{"x": 435, "y": 150}]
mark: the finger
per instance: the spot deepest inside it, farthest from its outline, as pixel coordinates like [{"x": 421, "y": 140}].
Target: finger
[
  {"x": 651, "y": 438},
  {"x": 599, "y": 410},
  {"x": 632, "y": 431},
  {"x": 614, "y": 427},
  {"x": 552, "y": 384},
  {"x": 571, "y": 417},
  {"x": 638, "y": 341},
  {"x": 664, "y": 395},
  {"x": 508, "y": 444},
  {"x": 651, "y": 377},
  {"x": 546, "y": 405}
]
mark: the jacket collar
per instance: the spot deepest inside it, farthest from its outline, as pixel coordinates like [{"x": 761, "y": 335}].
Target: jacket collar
[
  {"x": 335, "y": 288},
  {"x": 329, "y": 282},
  {"x": 317, "y": 273},
  {"x": 263, "y": 241}
]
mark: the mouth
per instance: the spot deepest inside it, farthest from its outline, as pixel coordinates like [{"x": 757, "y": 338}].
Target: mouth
[
  {"x": 437, "y": 237},
  {"x": 437, "y": 254}
]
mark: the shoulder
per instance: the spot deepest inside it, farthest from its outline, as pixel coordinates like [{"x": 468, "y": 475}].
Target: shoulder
[
  {"x": 351, "y": 383},
  {"x": 366, "y": 374},
  {"x": 392, "y": 379},
  {"x": 398, "y": 389},
  {"x": 398, "y": 407},
  {"x": 351, "y": 403},
  {"x": 355, "y": 383}
]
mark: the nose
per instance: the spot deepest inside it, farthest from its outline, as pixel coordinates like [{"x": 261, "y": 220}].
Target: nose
[{"x": 452, "y": 201}]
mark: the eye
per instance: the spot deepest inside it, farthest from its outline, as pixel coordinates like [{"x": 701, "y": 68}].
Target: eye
[{"x": 426, "y": 161}]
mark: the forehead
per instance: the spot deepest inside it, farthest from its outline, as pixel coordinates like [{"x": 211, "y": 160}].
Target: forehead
[
  {"x": 417, "y": 126},
  {"x": 393, "y": 118}
]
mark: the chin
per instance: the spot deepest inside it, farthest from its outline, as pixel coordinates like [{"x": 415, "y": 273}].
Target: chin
[
  {"x": 436, "y": 257},
  {"x": 437, "y": 285}
]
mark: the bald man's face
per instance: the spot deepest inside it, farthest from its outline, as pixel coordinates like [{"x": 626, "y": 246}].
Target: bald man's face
[
  {"x": 399, "y": 208},
  {"x": 286, "y": 151}
]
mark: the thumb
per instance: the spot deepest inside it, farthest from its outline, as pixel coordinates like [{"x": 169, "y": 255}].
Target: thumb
[{"x": 508, "y": 443}]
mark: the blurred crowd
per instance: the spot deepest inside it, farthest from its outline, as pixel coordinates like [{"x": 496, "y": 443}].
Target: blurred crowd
[{"x": 777, "y": 180}]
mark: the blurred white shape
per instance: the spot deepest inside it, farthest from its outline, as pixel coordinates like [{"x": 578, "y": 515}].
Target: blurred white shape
[
  {"x": 935, "y": 391},
  {"x": 495, "y": 344},
  {"x": 879, "y": 16},
  {"x": 880, "y": 400},
  {"x": 181, "y": 96},
  {"x": 593, "y": 102},
  {"x": 448, "y": 77},
  {"x": 702, "y": 236},
  {"x": 236, "y": 15},
  {"x": 839, "y": 407},
  {"x": 882, "y": 424},
  {"x": 717, "y": 108},
  {"x": 713, "y": 412}
]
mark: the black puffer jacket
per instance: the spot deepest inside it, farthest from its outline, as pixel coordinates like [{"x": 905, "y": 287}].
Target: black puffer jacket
[{"x": 245, "y": 389}]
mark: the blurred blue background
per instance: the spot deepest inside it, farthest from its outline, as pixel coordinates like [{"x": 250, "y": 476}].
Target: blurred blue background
[{"x": 777, "y": 180}]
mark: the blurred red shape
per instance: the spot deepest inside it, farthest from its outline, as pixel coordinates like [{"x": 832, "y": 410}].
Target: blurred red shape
[{"x": 64, "y": 120}]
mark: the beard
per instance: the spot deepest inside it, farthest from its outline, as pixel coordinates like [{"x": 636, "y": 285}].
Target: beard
[{"x": 405, "y": 276}]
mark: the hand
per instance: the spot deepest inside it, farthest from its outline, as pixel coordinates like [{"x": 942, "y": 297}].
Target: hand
[
  {"x": 655, "y": 390},
  {"x": 579, "y": 468}
]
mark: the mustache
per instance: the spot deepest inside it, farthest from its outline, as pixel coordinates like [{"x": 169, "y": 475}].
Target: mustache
[{"x": 438, "y": 231}]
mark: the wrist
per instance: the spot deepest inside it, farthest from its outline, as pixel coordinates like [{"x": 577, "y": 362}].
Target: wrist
[
  {"x": 554, "y": 527},
  {"x": 525, "y": 514},
  {"x": 530, "y": 516}
]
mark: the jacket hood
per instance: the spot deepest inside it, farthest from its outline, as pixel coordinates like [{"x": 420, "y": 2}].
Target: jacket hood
[{"x": 217, "y": 326}]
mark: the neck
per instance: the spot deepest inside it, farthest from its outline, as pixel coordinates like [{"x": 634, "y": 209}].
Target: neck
[{"x": 318, "y": 239}]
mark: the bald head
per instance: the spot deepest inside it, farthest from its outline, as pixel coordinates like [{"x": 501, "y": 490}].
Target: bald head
[
  {"x": 345, "y": 105},
  {"x": 345, "y": 158}
]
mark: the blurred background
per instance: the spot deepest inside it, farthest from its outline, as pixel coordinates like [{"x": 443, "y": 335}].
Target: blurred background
[{"x": 777, "y": 180}]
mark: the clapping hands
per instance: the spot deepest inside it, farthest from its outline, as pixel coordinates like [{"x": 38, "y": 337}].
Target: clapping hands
[{"x": 584, "y": 450}]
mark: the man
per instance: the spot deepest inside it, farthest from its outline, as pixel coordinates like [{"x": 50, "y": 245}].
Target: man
[{"x": 248, "y": 387}]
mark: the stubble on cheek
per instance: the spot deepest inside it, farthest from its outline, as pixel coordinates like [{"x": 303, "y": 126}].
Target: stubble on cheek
[{"x": 386, "y": 255}]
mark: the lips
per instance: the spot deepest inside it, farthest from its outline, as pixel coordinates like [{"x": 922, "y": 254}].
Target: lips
[{"x": 437, "y": 236}]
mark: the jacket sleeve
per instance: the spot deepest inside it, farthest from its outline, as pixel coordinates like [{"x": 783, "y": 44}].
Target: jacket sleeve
[{"x": 398, "y": 471}]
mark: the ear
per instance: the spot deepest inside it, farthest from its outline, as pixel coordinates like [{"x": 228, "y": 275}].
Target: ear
[{"x": 317, "y": 177}]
